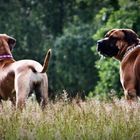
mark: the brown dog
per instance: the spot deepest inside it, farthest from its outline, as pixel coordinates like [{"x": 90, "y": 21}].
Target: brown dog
[
  {"x": 18, "y": 79},
  {"x": 124, "y": 45}
]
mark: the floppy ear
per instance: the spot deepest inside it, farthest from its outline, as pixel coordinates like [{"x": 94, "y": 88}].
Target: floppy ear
[
  {"x": 130, "y": 36},
  {"x": 109, "y": 32},
  {"x": 11, "y": 42}
]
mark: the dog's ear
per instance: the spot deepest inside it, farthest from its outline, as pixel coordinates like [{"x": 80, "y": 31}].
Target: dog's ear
[
  {"x": 109, "y": 32},
  {"x": 130, "y": 36},
  {"x": 11, "y": 42}
]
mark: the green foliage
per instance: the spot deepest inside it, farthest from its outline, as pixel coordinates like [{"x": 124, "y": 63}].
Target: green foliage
[
  {"x": 109, "y": 77},
  {"x": 74, "y": 60}
]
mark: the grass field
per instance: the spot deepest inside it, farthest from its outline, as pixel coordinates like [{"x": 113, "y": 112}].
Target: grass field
[{"x": 90, "y": 120}]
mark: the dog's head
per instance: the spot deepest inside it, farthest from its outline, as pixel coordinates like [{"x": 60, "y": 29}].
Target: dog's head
[
  {"x": 116, "y": 42},
  {"x": 6, "y": 43}
]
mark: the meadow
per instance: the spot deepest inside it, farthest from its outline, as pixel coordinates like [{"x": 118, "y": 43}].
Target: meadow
[{"x": 76, "y": 120}]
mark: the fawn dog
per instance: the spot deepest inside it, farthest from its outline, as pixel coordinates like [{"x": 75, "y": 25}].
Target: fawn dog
[{"x": 18, "y": 79}]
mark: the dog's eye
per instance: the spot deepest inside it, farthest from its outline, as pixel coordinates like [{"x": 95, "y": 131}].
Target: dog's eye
[
  {"x": 106, "y": 35},
  {"x": 113, "y": 38}
]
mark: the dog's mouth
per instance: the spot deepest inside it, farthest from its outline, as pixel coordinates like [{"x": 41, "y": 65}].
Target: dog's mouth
[{"x": 107, "y": 49}]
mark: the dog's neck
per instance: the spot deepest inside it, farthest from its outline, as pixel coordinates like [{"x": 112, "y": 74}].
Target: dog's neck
[
  {"x": 6, "y": 60},
  {"x": 130, "y": 49},
  {"x": 121, "y": 55},
  {"x": 5, "y": 56}
]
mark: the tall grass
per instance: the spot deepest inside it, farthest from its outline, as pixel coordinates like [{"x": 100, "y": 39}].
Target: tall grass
[{"x": 90, "y": 120}]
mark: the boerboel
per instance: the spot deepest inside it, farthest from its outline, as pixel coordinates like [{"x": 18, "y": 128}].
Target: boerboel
[
  {"x": 18, "y": 79},
  {"x": 124, "y": 45}
]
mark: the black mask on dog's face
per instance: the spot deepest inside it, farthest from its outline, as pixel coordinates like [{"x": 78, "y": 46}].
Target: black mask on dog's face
[{"x": 107, "y": 46}]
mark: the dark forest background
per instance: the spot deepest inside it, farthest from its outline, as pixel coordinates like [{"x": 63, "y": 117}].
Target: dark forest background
[{"x": 71, "y": 28}]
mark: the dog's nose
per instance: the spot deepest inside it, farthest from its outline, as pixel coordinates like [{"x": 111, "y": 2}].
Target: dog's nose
[
  {"x": 98, "y": 45},
  {"x": 99, "y": 42}
]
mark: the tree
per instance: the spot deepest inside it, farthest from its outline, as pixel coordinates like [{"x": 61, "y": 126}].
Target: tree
[{"x": 74, "y": 61}]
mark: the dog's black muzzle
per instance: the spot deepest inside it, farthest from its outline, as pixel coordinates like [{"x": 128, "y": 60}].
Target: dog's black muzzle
[
  {"x": 107, "y": 47},
  {"x": 100, "y": 45}
]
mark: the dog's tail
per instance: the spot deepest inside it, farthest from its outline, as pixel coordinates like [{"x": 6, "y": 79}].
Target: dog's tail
[{"x": 46, "y": 61}]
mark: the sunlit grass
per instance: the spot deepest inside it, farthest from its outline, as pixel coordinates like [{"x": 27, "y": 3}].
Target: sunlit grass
[{"x": 90, "y": 120}]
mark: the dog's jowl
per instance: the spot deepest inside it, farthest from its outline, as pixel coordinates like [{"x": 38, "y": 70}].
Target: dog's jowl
[
  {"x": 18, "y": 79},
  {"x": 124, "y": 45}
]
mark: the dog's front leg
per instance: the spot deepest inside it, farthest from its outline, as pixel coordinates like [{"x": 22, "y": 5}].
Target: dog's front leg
[
  {"x": 130, "y": 91},
  {"x": 128, "y": 82},
  {"x": 131, "y": 95}
]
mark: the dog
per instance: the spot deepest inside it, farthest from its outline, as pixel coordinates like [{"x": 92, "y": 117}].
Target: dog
[
  {"x": 124, "y": 45},
  {"x": 18, "y": 79}
]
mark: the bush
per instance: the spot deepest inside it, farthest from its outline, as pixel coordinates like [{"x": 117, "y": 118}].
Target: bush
[
  {"x": 73, "y": 60},
  {"x": 109, "y": 81}
]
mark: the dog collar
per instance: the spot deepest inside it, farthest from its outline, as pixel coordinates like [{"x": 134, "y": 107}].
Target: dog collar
[
  {"x": 130, "y": 49},
  {"x": 5, "y": 56}
]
